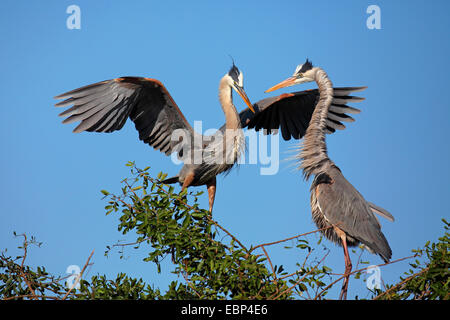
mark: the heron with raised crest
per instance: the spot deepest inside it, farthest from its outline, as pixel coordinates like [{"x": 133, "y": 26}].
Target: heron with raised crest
[
  {"x": 338, "y": 209},
  {"x": 105, "y": 107}
]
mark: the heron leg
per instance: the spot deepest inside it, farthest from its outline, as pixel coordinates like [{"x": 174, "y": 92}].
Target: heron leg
[
  {"x": 348, "y": 263},
  {"x": 211, "y": 186},
  {"x": 187, "y": 181}
]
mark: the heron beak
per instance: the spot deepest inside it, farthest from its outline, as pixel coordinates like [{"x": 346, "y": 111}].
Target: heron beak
[
  {"x": 286, "y": 83},
  {"x": 244, "y": 97}
]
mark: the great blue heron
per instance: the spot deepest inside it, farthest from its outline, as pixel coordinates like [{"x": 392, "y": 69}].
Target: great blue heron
[
  {"x": 342, "y": 213},
  {"x": 105, "y": 107}
]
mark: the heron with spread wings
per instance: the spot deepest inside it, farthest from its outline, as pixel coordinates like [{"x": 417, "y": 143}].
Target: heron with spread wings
[
  {"x": 105, "y": 106},
  {"x": 338, "y": 209}
]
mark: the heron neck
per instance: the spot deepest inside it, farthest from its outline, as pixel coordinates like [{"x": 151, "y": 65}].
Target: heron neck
[
  {"x": 232, "y": 120},
  {"x": 313, "y": 154}
]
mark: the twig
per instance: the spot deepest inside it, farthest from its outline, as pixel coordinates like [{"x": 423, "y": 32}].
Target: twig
[
  {"x": 399, "y": 284},
  {"x": 130, "y": 243},
  {"x": 189, "y": 283},
  {"x": 302, "y": 278},
  {"x": 287, "y": 239},
  {"x": 270, "y": 262},
  {"x": 29, "y": 296},
  {"x": 359, "y": 270},
  {"x": 271, "y": 267},
  {"x": 79, "y": 276},
  {"x": 296, "y": 272},
  {"x": 228, "y": 233},
  {"x": 359, "y": 258},
  {"x": 22, "y": 274},
  {"x": 208, "y": 217}
]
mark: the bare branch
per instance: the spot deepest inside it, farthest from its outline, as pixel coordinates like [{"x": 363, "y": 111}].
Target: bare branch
[
  {"x": 79, "y": 276},
  {"x": 22, "y": 274},
  {"x": 302, "y": 278},
  {"x": 287, "y": 239},
  {"x": 359, "y": 270},
  {"x": 400, "y": 283}
]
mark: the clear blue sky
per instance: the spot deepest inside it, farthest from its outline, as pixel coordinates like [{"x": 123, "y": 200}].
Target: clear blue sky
[{"x": 395, "y": 154}]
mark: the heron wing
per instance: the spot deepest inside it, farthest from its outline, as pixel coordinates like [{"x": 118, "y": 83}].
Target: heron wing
[
  {"x": 380, "y": 211},
  {"x": 105, "y": 107},
  {"x": 343, "y": 206},
  {"x": 292, "y": 112}
]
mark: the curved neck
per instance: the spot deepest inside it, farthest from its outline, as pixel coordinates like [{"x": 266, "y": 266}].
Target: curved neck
[
  {"x": 232, "y": 120},
  {"x": 313, "y": 153}
]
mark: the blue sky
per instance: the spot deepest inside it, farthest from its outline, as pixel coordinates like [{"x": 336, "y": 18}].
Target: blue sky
[{"x": 395, "y": 153}]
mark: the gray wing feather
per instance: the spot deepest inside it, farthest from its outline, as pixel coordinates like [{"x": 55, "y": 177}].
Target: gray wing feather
[
  {"x": 380, "y": 211},
  {"x": 292, "y": 112},
  {"x": 343, "y": 206},
  {"x": 105, "y": 106}
]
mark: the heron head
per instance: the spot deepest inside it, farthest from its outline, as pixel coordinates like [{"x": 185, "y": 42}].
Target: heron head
[
  {"x": 236, "y": 81},
  {"x": 303, "y": 73}
]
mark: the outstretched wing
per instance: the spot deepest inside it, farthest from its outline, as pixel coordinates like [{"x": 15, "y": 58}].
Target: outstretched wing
[
  {"x": 292, "y": 112},
  {"x": 105, "y": 107},
  {"x": 343, "y": 206}
]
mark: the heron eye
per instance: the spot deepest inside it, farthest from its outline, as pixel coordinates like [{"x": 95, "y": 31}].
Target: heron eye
[{"x": 300, "y": 75}]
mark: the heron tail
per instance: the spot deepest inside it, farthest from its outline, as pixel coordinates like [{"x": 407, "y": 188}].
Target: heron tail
[
  {"x": 379, "y": 246},
  {"x": 171, "y": 180},
  {"x": 384, "y": 250}
]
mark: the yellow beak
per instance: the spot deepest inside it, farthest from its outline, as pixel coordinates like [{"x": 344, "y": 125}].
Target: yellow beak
[
  {"x": 244, "y": 97},
  {"x": 286, "y": 83}
]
